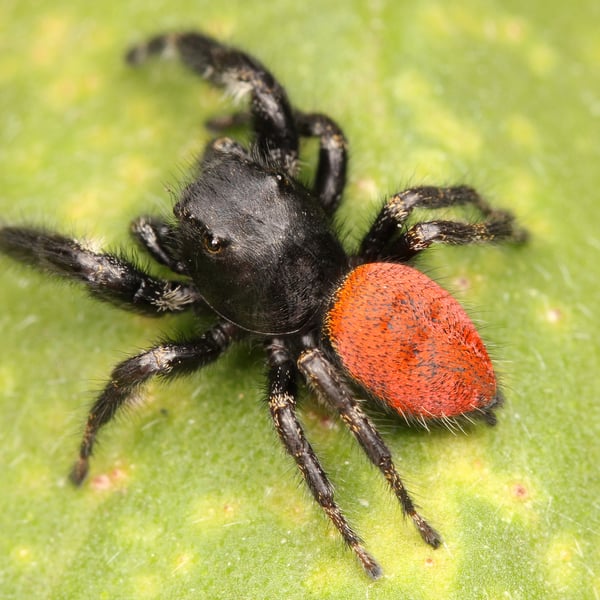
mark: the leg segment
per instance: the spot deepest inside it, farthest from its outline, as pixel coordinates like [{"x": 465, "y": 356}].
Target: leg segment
[
  {"x": 240, "y": 73},
  {"x": 108, "y": 277},
  {"x": 333, "y": 157},
  {"x": 321, "y": 375},
  {"x": 394, "y": 214},
  {"x": 421, "y": 235},
  {"x": 159, "y": 238},
  {"x": 166, "y": 360},
  {"x": 219, "y": 147},
  {"x": 282, "y": 404}
]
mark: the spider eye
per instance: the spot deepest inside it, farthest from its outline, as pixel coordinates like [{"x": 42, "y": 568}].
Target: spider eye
[
  {"x": 282, "y": 180},
  {"x": 212, "y": 244}
]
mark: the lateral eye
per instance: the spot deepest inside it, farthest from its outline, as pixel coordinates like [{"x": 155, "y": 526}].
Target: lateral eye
[
  {"x": 212, "y": 244},
  {"x": 282, "y": 180}
]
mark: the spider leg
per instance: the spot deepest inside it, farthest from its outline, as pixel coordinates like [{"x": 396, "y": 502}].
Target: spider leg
[
  {"x": 159, "y": 238},
  {"x": 333, "y": 157},
  {"x": 218, "y": 147},
  {"x": 240, "y": 73},
  {"x": 498, "y": 226},
  {"x": 422, "y": 235},
  {"x": 321, "y": 375},
  {"x": 107, "y": 276},
  {"x": 166, "y": 360},
  {"x": 282, "y": 404},
  {"x": 330, "y": 178}
]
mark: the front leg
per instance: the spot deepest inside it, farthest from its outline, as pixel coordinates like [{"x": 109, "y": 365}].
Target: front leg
[
  {"x": 159, "y": 238},
  {"x": 108, "y": 277},
  {"x": 240, "y": 73}
]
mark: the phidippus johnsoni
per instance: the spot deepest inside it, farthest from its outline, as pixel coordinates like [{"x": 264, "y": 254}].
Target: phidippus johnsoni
[{"x": 253, "y": 246}]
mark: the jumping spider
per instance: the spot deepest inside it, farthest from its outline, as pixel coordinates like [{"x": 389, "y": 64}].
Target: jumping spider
[{"x": 256, "y": 247}]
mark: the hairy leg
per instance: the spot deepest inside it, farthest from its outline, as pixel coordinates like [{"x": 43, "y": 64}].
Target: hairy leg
[
  {"x": 166, "y": 360},
  {"x": 330, "y": 179},
  {"x": 107, "y": 276},
  {"x": 159, "y": 239},
  {"x": 321, "y": 375},
  {"x": 498, "y": 225},
  {"x": 240, "y": 73},
  {"x": 282, "y": 404}
]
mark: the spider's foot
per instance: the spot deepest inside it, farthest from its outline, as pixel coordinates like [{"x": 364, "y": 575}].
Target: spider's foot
[
  {"x": 488, "y": 414},
  {"x": 370, "y": 565},
  {"x": 428, "y": 533},
  {"x": 158, "y": 45},
  {"x": 79, "y": 471},
  {"x": 521, "y": 235}
]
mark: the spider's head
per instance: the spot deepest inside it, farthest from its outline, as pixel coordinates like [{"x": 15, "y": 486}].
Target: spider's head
[{"x": 256, "y": 244}]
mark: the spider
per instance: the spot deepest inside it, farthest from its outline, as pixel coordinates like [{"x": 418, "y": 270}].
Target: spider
[{"x": 253, "y": 246}]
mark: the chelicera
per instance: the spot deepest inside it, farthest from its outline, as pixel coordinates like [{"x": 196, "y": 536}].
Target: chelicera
[{"x": 255, "y": 247}]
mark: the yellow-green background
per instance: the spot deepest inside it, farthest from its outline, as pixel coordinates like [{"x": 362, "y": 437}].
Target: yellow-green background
[{"x": 191, "y": 496}]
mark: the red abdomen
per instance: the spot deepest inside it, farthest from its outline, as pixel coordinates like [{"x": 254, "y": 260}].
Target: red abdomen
[{"x": 408, "y": 342}]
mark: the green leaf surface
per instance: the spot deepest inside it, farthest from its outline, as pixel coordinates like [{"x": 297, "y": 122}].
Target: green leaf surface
[{"x": 190, "y": 495}]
